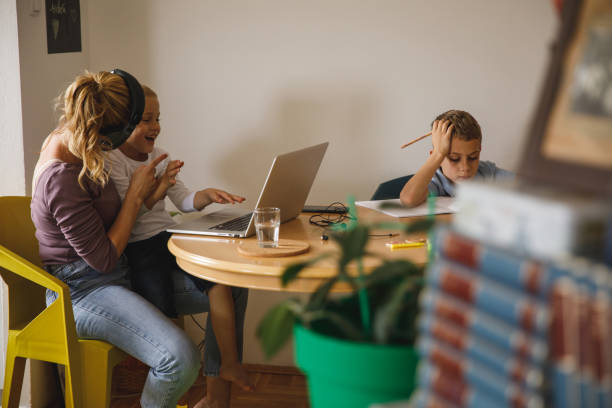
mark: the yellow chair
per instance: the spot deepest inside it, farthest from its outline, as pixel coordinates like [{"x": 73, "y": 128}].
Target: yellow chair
[{"x": 45, "y": 333}]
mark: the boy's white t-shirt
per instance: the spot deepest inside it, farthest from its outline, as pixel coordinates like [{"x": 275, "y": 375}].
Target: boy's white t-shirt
[{"x": 149, "y": 222}]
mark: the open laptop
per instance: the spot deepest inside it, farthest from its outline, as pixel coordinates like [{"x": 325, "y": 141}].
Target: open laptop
[{"x": 287, "y": 186}]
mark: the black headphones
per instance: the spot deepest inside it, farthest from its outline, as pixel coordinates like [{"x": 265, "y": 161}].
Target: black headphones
[{"x": 115, "y": 136}]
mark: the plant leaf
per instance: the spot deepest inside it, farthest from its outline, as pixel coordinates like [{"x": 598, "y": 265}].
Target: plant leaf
[
  {"x": 390, "y": 270},
  {"x": 352, "y": 244},
  {"x": 318, "y": 297},
  {"x": 387, "y": 314},
  {"x": 345, "y": 328},
  {"x": 277, "y": 325},
  {"x": 420, "y": 225},
  {"x": 292, "y": 271},
  {"x": 352, "y": 212}
]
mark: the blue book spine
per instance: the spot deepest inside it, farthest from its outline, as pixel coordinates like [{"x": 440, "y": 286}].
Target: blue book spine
[
  {"x": 499, "y": 363},
  {"x": 524, "y": 274},
  {"x": 564, "y": 344},
  {"x": 564, "y": 389},
  {"x": 460, "y": 320},
  {"x": 478, "y": 389},
  {"x": 604, "y": 397},
  {"x": 507, "y": 304}
]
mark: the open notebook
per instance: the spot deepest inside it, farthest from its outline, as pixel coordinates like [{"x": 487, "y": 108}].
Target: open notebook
[{"x": 444, "y": 205}]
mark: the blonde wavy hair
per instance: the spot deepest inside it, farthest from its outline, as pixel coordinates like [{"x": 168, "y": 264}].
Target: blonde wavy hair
[{"x": 91, "y": 103}]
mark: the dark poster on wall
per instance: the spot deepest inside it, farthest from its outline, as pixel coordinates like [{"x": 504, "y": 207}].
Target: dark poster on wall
[{"x": 63, "y": 26}]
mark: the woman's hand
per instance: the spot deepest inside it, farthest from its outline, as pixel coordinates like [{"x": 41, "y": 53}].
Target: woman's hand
[
  {"x": 143, "y": 180},
  {"x": 441, "y": 132}
]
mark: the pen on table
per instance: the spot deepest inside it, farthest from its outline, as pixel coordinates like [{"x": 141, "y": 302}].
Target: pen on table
[
  {"x": 406, "y": 244},
  {"x": 415, "y": 140}
]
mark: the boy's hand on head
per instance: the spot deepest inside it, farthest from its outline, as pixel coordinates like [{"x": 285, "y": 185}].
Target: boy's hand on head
[
  {"x": 441, "y": 132},
  {"x": 222, "y": 197}
]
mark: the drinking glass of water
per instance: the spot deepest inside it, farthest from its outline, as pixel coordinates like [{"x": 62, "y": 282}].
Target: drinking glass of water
[{"x": 267, "y": 224}]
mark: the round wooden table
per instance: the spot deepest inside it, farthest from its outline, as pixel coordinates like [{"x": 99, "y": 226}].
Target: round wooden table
[{"x": 218, "y": 260}]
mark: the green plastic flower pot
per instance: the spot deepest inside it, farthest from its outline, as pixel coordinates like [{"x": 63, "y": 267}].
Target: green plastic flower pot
[{"x": 348, "y": 374}]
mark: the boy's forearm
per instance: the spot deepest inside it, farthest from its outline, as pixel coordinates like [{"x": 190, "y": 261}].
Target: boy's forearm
[{"x": 415, "y": 191}]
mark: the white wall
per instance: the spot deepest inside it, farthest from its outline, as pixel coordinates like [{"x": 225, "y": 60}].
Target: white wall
[
  {"x": 12, "y": 176},
  {"x": 240, "y": 81},
  {"x": 43, "y": 77},
  {"x": 29, "y": 81}
]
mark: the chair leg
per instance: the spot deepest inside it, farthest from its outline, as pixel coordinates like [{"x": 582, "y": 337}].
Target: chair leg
[
  {"x": 13, "y": 380},
  {"x": 98, "y": 363},
  {"x": 72, "y": 398}
]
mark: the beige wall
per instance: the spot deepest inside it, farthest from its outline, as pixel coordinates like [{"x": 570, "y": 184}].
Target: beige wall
[
  {"x": 12, "y": 174},
  {"x": 43, "y": 77},
  {"x": 29, "y": 80},
  {"x": 240, "y": 81},
  {"x": 12, "y": 177}
]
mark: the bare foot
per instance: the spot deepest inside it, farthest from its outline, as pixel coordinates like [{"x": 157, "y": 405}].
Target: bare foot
[{"x": 237, "y": 374}]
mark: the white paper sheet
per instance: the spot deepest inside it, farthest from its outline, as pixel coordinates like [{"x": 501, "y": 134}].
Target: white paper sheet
[{"x": 444, "y": 205}]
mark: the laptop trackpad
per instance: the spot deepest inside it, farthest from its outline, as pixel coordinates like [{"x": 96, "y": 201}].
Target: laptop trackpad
[{"x": 218, "y": 217}]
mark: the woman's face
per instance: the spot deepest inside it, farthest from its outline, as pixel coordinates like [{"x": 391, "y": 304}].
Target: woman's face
[{"x": 142, "y": 140}]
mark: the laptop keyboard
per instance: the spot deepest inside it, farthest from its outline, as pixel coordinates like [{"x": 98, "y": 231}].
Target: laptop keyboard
[{"x": 236, "y": 224}]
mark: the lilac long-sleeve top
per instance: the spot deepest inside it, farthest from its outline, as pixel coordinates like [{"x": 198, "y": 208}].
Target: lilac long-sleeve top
[{"x": 71, "y": 223}]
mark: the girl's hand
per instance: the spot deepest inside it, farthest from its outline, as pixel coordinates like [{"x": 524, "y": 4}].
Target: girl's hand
[
  {"x": 164, "y": 182},
  {"x": 169, "y": 177},
  {"x": 441, "y": 132},
  {"x": 143, "y": 180},
  {"x": 212, "y": 195},
  {"x": 222, "y": 197}
]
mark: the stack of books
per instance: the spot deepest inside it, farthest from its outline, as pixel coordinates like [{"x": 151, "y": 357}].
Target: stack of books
[{"x": 504, "y": 326}]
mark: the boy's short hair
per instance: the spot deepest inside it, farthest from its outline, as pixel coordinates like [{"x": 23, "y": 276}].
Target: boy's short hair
[{"x": 466, "y": 127}]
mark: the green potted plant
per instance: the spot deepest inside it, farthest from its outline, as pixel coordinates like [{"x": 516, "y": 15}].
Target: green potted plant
[{"x": 359, "y": 348}]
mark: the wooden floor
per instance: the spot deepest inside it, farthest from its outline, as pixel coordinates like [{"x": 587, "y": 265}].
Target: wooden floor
[{"x": 275, "y": 387}]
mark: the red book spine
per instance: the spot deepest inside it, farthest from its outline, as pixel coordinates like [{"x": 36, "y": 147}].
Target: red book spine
[
  {"x": 518, "y": 272},
  {"x": 504, "y": 303},
  {"x": 563, "y": 337},
  {"x": 472, "y": 321}
]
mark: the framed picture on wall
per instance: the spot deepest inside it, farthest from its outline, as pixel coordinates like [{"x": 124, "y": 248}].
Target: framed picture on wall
[
  {"x": 570, "y": 142},
  {"x": 63, "y": 26}
]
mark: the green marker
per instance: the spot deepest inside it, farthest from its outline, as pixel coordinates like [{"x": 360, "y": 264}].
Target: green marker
[{"x": 431, "y": 207}]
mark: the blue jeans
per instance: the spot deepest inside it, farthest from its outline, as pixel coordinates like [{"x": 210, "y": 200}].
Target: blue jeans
[
  {"x": 105, "y": 308},
  {"x": 152, "y": 267}
]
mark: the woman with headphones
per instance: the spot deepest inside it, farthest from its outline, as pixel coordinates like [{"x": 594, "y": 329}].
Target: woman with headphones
[{"x": 83, "y": 227}]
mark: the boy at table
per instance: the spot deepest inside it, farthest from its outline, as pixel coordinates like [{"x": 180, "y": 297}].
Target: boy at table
[{"x": 455, "y": 157}]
